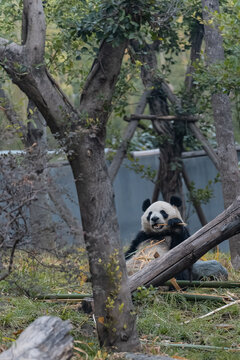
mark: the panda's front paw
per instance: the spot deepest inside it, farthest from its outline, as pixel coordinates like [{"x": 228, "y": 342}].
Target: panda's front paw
[{"x": 174, "y": 222}]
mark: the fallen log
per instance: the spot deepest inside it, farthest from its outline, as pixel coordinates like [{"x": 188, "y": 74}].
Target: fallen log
[
  {"x": 158, "y": 271},
  {"x": 47, "y": 338}
]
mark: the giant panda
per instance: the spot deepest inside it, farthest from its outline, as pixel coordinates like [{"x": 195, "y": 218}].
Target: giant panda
[{"x": 162, "y": 229}]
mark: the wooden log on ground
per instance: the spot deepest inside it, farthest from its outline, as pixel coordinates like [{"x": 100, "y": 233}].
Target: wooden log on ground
[
  {"x": 47, "y": 338},
  {"x": 187, "y": 253}
]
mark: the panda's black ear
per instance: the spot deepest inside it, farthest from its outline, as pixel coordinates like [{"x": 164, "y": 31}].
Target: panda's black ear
[
  {"x": 146, "y": 204},
  {"x": 175, "y": 201}
]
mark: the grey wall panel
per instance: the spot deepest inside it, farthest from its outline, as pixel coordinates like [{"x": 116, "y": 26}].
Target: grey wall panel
[{"x": 131, "y": 190}]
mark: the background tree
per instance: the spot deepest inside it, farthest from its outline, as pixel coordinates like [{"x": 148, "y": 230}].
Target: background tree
[{"x": 221, "y": 106}]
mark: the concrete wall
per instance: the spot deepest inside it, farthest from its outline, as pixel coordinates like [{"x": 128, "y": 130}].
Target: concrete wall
[{"x": 131, "y": 190}]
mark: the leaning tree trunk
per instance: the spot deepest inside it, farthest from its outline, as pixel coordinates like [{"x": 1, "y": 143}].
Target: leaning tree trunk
[
  {"x": 228, "y": 162},
  {"x": 82, "y": 134}
]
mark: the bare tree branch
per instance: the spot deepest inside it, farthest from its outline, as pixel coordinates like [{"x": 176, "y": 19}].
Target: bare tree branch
[
  {"x": 196, "y": 204},
  {"x": 205, "y": 144},
  {"x": 129, "y": 132}
]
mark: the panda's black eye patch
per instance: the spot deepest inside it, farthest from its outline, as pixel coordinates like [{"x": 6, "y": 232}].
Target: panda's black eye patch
[
  {"x": 149, "y": 215},
  {"x": 164, "y": 214}
]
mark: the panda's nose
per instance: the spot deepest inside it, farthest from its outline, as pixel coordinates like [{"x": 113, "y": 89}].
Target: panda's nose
[{"x": 155, "y": 218}]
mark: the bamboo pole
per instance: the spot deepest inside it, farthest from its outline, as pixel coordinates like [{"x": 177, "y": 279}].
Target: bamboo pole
[
  {"x": 193, "y": 346},
  {"x": 207, "y": 284},
  {"x": 195, "y": 297},
  {"x": 63, "y": 296},
  {"x": 181, "y": 283}
]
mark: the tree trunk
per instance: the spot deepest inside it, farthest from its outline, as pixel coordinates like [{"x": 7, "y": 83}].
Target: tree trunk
[
  {"x": 159, "y": 270},
  {"x": 82, "y": 135},
  {"x": 227, "y": 155}
]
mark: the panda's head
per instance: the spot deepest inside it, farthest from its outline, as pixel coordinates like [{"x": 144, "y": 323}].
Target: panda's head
[{"x": 157, "y": 215}]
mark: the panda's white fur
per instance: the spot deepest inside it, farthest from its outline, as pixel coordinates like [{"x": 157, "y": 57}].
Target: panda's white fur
[
  {"x": 161, "y": 222},
  {"x": 156, "y": 208}
]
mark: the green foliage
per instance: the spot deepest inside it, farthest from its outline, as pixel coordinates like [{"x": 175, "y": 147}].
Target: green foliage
[
  {"x": 116, "y": 20},
  {"x": 146, "y": 172},
  {"x": 145, "y": 295},
  {"x": 10, "y": 14},
  {"x": 145, "y": 139},
  {"x": 125, "y": 87},
  {"x": 202, "y": 195},
  {"x": 224, "y": 76}
]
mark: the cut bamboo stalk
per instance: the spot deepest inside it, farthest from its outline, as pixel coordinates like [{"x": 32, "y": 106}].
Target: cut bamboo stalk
[
  {"x": 213, "y": 312},
  {"x": 193, "y": 346},
  {"x": 181, "y": 283},
  {"x": 195, "y": 297},
  {"x": 207, "y": 284},
  {"x": 63, "y": 296}
]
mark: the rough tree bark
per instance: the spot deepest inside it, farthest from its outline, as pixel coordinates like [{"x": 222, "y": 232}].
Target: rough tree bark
[
  {"x": 82, "y": 134},
  {"x": 158, "y": 271},
  {"x": 227, "y": 155}
]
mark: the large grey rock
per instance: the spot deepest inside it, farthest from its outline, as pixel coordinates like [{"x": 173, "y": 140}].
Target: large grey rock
[
  {"x": 210, "y": 269},
  {"x": 47, "y": 338}
]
